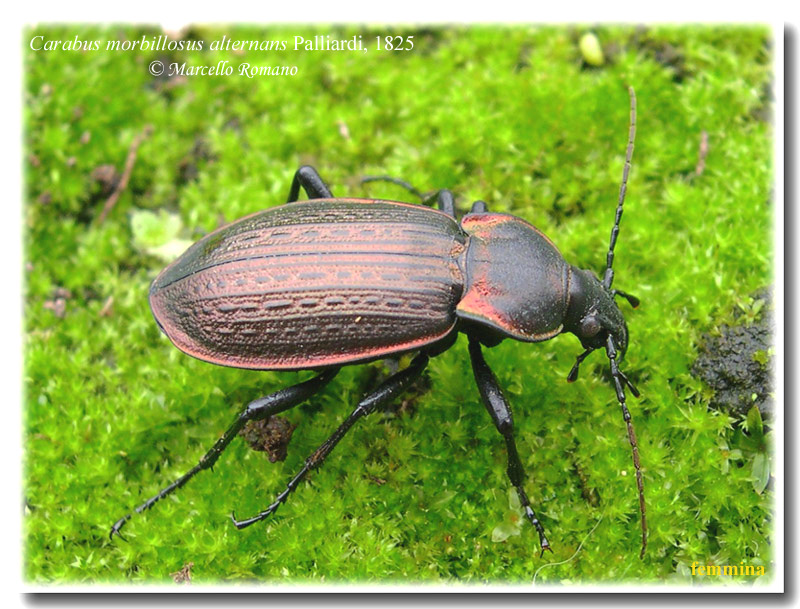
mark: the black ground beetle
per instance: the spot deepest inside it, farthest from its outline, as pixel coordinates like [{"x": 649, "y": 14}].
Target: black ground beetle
[{"x": 328, "y": 282}]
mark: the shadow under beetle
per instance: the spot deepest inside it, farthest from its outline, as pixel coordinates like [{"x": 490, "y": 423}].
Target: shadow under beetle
[{"x": 329, "y": 282}]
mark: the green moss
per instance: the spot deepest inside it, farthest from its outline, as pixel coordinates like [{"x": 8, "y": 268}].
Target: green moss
[{"x": 508, "y": 115}]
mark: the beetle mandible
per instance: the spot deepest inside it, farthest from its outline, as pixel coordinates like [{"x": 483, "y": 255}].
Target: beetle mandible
[{"x": 329, "y": 282}]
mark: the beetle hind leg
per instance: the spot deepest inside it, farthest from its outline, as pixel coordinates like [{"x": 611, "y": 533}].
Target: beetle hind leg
[
  {"x": 388, "y": 390},
  {"x": 500, "y": 411},
  {"x": 256, "y": 410}
]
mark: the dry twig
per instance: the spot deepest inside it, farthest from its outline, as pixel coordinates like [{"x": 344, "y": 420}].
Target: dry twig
[
  {"x": 126, "y": 174},
  {"x": 701, "y": 161}
]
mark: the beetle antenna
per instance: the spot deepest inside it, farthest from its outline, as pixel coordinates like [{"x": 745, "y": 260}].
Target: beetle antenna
[
  {"x": 619, "y": 379},
  {"x": 573, "y": 374},
  {"x": 609, "y": 275}
]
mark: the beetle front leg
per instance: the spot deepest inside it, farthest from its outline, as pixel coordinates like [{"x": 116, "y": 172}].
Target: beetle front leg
[
  {"x": 500, "y": 411},
  {"x": 387, "y": 391},
  {"x": 256, "y": 410},
  {"x": 312, "y": 183}
]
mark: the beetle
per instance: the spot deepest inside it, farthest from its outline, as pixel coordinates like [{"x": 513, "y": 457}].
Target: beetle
[{"x": 329, "y": 282}]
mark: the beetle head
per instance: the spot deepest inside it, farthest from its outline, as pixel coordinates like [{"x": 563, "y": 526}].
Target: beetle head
[{"x": 593, "y": 314}]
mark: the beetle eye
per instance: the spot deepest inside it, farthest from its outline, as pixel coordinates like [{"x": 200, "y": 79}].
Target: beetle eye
[{"x": 590, "y": 326}]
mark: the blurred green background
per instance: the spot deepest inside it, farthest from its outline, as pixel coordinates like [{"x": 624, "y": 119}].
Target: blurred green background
[{"x": 516, "y": 116}]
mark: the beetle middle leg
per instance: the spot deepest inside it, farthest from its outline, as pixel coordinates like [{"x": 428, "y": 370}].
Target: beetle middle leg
[
  {"x": 256, "y": 410},
  {"x": 388, "y": 390},
  {"x": 500, "y": 411},
  {"x": 312, "y": 183}
]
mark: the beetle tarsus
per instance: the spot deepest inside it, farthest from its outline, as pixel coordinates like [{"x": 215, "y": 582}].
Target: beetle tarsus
[
  {"x": 151, "y": 502},
  {"x": 632, "y": 300},
  {"x": 573, "y": 373},
  {"x": 531, "y": 515},
  {"x": 243, "y": 524},
  {"x": 116, "y": 529}
]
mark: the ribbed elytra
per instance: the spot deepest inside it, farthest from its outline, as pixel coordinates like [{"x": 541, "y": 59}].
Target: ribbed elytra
[{"x": 316, "y": 284}]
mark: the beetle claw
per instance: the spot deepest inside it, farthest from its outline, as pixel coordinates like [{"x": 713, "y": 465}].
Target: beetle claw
[
  {"x": 116, "y": 529},
  {"x": 241, "y": 524}
]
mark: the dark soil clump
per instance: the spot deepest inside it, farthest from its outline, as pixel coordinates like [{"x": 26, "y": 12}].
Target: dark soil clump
[{"x": 737, "y": 364}]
